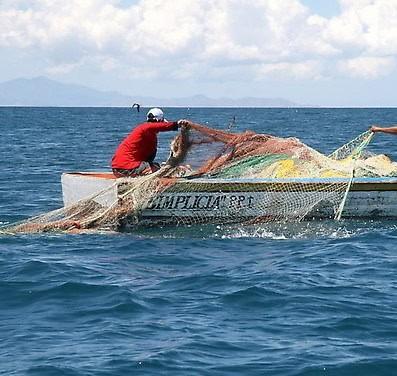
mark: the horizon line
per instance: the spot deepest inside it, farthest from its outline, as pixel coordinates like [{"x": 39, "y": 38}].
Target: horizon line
[{"x": 193, "y": 106}]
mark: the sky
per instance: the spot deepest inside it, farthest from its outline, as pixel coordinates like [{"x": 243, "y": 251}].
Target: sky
[{"x": 314, "y": 52}]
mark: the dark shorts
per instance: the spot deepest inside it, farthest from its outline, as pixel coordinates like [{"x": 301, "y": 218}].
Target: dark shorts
[
  {"x": 120, "y": 172},
  {"x": 144, "y": 169}
]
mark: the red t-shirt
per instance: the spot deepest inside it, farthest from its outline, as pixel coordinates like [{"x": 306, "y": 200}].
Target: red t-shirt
[{"x": 140, "y": 145}]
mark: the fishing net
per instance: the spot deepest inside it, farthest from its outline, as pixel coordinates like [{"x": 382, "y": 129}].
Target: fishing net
[{"x": 214, "y": 176}]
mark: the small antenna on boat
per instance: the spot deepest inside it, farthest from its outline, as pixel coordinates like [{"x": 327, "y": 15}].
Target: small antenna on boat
[{"x": 232, "y": 123}]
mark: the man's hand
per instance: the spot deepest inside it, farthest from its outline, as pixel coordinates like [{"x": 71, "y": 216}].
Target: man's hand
[
  {"x": 391, "y": 129},
  {"x": 183, "y": 123}
]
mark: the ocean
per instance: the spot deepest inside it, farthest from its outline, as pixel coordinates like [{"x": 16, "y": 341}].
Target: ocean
[{"x": 313, "y": 298}]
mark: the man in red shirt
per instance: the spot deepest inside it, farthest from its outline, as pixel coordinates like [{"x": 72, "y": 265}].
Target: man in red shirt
[{"x": 135, "y": 155}]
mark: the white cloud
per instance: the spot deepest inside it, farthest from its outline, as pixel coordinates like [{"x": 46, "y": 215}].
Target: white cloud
[
  {"x": 302, "y": 70},
  {"x": 367, "y": 66},
  {"x": 183, "y": 39},
  {"x": 61, "y": 69},
  {"x": 369, "y": 25}
]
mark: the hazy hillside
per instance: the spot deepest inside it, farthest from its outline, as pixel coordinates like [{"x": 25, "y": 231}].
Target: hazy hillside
[{"x": 41, "y": 91}]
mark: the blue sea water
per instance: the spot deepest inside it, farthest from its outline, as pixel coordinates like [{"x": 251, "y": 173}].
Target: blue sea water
[{"x": 316, "y": 298}]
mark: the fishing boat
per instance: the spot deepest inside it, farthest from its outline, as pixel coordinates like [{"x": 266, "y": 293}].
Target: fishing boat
[
  {"x": 216, "y": 177},
  {"x": 216, "y": 199}
]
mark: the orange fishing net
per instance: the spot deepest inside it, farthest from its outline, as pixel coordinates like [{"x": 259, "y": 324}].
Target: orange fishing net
[{"x": 205, "y": 181}]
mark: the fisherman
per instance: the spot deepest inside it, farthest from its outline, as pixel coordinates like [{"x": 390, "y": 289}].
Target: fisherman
[
  {"x": 135, "y": 154},
  {"x": 391, "y": 130}
]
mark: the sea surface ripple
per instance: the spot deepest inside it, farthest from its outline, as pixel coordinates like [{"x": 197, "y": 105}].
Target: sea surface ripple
[{"x": 314, "y": 298}]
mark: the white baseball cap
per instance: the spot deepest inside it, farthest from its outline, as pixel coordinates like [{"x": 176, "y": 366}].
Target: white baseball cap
[{"x": 155, "y": 113}]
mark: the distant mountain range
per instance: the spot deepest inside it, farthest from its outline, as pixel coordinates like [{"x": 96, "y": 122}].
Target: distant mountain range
[{"x": 41, "y": 91}]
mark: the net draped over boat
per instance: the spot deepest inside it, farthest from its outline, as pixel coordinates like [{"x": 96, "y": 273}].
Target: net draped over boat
[{"x": 292, "y": 181}]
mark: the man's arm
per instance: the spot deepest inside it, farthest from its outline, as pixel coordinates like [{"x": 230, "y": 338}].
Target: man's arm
[
  {"x": 163, "y": 126},
  {"x": 391, "y": 130}
]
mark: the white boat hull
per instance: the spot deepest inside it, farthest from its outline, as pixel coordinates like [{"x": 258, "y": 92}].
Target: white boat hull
[{"x": 216, "y": 200}]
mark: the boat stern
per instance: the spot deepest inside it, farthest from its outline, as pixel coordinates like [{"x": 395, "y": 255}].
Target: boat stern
[{"x": 100, "y": 186}]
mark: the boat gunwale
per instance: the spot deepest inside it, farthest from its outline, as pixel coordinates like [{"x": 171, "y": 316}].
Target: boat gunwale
[{"x": 202, "y": 184}]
